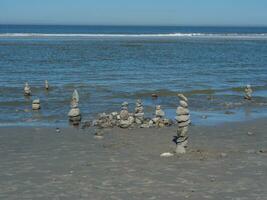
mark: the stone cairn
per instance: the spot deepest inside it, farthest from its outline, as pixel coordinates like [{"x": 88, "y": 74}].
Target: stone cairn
[
  {"x": 183, "y": 119},
  {"x": 159, "y": 120},
  {"x": 139, "y": 112},
  {"x": 27, "y": 89},
  {"x": 248, "y": 92},
  {"x": 46, "y": 85},
  {"x": 75, "y": 113},
  {"x": 36, "y": 104},
  {"x": 125, "y": 118}
]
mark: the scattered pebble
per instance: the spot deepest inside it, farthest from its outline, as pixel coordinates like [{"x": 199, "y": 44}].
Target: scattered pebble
[
  {"x": 250, "y": 133},
  {"x": 223, "y": 155},
  {"x": 251, "y": 151},
  {"x": 204, "y": 116},
  {"x": 57, "y": 130},
  {"x": 167, "y": 154}
]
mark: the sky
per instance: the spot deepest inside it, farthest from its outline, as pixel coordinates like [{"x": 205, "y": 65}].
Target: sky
[{"x": 135, "y": 12}]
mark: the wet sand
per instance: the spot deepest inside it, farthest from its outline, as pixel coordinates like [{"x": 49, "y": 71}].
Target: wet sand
[{"x": 223, "y": 162}]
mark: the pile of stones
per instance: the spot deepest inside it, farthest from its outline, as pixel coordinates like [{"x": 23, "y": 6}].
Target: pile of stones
[
  {"x": 75, "y": 113},
  {"x": 139, "y": 112},
  {"x": 248, "y": 92},
  {"x": 106, "y": 120},
  {"x": 126, "y": 119},
  {"x": 183, "y": 120}
]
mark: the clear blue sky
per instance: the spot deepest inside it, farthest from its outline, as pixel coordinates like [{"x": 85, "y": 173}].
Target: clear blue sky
[{"x": 134, "y": 12}]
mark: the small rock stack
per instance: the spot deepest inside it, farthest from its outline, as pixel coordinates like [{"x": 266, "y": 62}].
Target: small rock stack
[
  {"x": 75, "y": 113},
  {"x": 46, "y": 85},
  {"x": 125, "y": 119},
  {"x": 248, "y": 92},
  {"x": 36, "y": 105},
  {"x": 27, "y": 89},
  {"x": 159, "y": 120},
  {"x": 139, "y": 112},
  {"x": 183, "y": 119}
]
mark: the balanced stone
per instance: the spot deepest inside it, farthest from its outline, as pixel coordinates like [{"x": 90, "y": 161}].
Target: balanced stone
[
  {"x": 46, "y": 85},
  {"x": 248, "y": 92},
  {"x": 75, "y": 113},
  {"x": 27, "y": 89},
  {"x": 36, "y": 104},
  {"x": 139, "y": 112},
  {"x": 159, "y": 120},
  {"x": 183, "y": 119},
  {"x": 159, "y": 113},
  {"x": 125, "y": 118}
]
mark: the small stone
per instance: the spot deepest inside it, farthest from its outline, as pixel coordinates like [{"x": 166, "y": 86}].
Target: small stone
[
  {"x": 183, "y": 104},
  {"x": 154, "y": 95},
  {"x": 74, "y": 112},
  {"x": 167, "y": 154},
  {"x": 223, "y": 155},
  {"x": 182, "y": 118},
  {"x": 184, "y": 124},
  {"x": 181, "y": 96},
  {"x": 182, "y": 111},
  {"x": 250, "y": 133}
]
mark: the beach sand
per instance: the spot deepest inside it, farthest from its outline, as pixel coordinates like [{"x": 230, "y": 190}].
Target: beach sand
[{"x": 227, "y": 161}]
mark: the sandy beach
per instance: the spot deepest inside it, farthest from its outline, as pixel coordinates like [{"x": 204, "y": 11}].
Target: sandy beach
[{"x": 226, "y": 161}]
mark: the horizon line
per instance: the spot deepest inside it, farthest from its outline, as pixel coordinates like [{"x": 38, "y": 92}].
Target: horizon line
[{"x": 133, "y": 25}]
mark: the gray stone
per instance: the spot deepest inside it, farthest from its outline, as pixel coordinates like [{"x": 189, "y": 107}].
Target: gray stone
[
  {"x": 183, "y": 124},
  {"x": 183, "y": 104},
  {"x": 181, "y": 96},
  {"x": 182, "y": 111},
  {"x": 74, "y": 112}
]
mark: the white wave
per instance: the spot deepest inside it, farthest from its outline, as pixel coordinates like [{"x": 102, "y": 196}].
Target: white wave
[{"x": 44, "y": 35}]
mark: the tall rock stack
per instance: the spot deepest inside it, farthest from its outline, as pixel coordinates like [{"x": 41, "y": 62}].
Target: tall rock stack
[
  {"x": 248, "y": 92},
  {"x": 183, "y": 119},
  {"x": 125, "y": 119},
  {"x": 139, "y": 112},
  {"x": 27, "y": 89},
  {"x": 75, "y": 113},
  {"x": 36, "y": 105},
  {"x": 46, "y": 85}
]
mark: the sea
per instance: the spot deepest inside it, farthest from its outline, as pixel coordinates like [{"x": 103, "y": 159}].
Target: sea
[{"x": 112, "y": 64}]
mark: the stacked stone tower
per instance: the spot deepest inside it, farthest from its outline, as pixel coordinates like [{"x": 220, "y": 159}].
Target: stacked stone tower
[
  {"x": 75, "y": 113},
  {"x": 125, "y": 119},
  {"x": 139, "y": 112},
  {"x": 27, "y": 89},
  {"x": 183, "y": 120},
  {"x": 248, "y": 92}
]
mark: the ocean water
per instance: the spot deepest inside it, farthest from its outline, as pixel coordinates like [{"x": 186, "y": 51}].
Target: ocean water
[{"x": 111, "y": 64}]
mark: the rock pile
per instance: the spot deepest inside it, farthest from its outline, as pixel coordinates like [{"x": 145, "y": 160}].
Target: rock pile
[
  {"x": 183, "y": 119},
  {"x": 106, "y": 120},
  {"x": 248, "y": 92},
  {"x": 75, "y": 113},
  {"x": 46, "y": 85},
  {"x": 27, "y": 89},
  {"x": 125, "y": 118},
  {"x": 36, "y": 105},
  {"x": 139, "y": 112}
]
